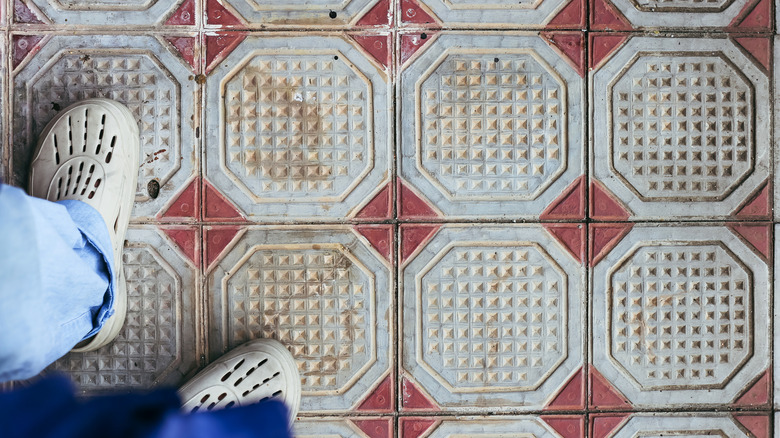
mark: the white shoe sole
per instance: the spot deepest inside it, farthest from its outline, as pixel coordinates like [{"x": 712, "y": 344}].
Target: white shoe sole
[
  {"x": 90, "y": 152},
  {"x": 255, "y": 371}
]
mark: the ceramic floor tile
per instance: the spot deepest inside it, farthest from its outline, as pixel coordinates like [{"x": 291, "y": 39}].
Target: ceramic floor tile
[
  {"x": 138, "y": 71},
  {"x": 680, "y": 129},
  {"x": 493, "y": 126},
  {"x": 333, "y": 427},
  {"x": 96, "y": 13},
  {"x": 737, "y": 425},
  {"x": 509, "y": 14},
  {"x": 680, "y": 317},
  {"x": 303, "y": 132},
  {"x": 552, "y": 426},
  {"x": 158, "y": 343},
  {"x": 299, "y": 13},
  {"x": 324, "y": 292},
  {"x": 491, "y": 319},
  {"x": 737, "y": 15}
]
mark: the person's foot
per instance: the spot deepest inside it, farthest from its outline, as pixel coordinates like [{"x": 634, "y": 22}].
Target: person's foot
[
  {"x": 255, "y": 371},
  {"x": 90, "y": 152}
]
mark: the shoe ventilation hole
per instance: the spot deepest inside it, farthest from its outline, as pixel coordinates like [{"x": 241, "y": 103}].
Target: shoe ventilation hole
[
  {"x": 78, "y": 181},
  {"x": 56, "y": 151},
  {"x": 86, "y": 124},
  {"x": 70, "y": 135},
  {"x": 111, "y": 150},
  {"x": 100, "y": 135}
]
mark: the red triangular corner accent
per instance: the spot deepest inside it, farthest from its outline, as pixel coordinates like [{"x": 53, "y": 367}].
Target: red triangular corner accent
[
  {"x": 570, "y": 205},
  {"x": 413, "y": 398},
  {"x": 412, "y": 236},
  {"x": 603, "y": 425},
  {"x": 603, "y": 394},
  {"x": 601, "y": 47},
  {"x": 604, "y": 237},
  {"x": 186, "y": 239},
  {"x": 758, "y": 425},
  {"x": 604, "y": 205},
  {"x": 757, "y": 394},
  {"x": 757, "y": 235},
  {"x": 412, "y": 42},
  {"x": 379, "y": 208},
  {"x": 25, "y": 15},
  {"x": 381, "y": 399},
  {"x": 184, "y": 15},
  {"x": 215, "y": 240},
  {"x": 218, "y": 46},
  {"x": 218, "y": 14},
  {"x": 186, "y": 48},
  {"x": 216, "y": 206},
  {"x": 759, "y": 48},
  {"x": 570, "y": 46},
  {"x": 24, "y": 45},
  {"x": 757, "y": 206},
  {"x": 572, "y": 16},
  {"x": 378, "y": 46},
  {"x": 412, "y": 427},
  {"x": 380, "y": 237},
  {"x": 606, "y": 17},
  {"x": 571, "y": 396},
  {"x": 376, "y": 428},
  {"x": 185, "y": 205},
  {"x": 379, "y": 15},
  {"x": 412, "y": 205},
  {"x": 754, "y": 17},
  {"x": 571, "y": 236},
  {"x": 567, "y": 426},
  {"x": 412, "y": 12}
]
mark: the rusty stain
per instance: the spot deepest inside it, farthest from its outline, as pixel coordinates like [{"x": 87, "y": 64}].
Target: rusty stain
[
  {"x": 200, "y": 79},
  {"x": 306, "y": 113}
]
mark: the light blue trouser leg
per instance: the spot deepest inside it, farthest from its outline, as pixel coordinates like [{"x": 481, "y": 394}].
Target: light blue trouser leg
[{"x": 56, "y": 280}]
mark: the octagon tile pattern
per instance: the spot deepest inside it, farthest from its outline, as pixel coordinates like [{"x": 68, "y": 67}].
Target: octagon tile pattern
[
  {"x": 463, "y": 218},
  {"x": 322, "y": 292},
  {"x": 683, "y": 315}
]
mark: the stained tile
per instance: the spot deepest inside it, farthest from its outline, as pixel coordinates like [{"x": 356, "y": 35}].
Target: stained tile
[
  {"x": 680, "y": 129},
  {"x": 298, "y": 13},
  {"x": 97, "y": 13},
  {"x": 331, "y": 427},
  {"x": 138, "y": 71},
  {"x": 492, "y": 319},
  {"x": 304, "y": 132},
  {"x": 664, "y": 424},
  {"x": 323, "y": 292},
  {"x": 495, "y": 13},
  {"x": 679, "y": 318},
  {"x": 737, "y": 15},
  {"x": 158, "y": 343},
  {"x": 448, "y": 427},
  {"x": 493, "y": 125}
]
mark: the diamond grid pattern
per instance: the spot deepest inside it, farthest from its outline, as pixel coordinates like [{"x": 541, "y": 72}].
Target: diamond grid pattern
[
  {"x": 678, "y": 134},
  {"x": 313, "y": 301},
  {"x": 492, "y": 126},
  {"x": 682, "y": 128},
  {"x": 470, "y": 292},
  {"x": 681, "y": 314},
  {"x": 295, "y": 148}
]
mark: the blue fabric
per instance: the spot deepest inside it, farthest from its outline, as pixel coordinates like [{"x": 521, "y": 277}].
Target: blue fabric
[
  {"x": 48, "y": 409},
  {"x": 56, "y": 280}
]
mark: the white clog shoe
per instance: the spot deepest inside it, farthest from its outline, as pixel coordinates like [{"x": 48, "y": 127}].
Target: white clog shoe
[
  {"x": 255, "y": 371},
  {"x": 90, "y": 152}
]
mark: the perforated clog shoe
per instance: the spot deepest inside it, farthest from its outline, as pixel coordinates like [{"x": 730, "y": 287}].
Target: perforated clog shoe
[
  {"x": 90, "y": 152},
  {"x": 255, "y": 371}
]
